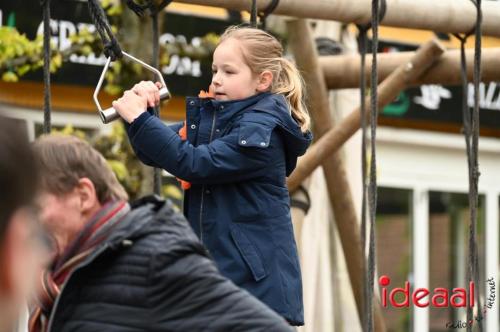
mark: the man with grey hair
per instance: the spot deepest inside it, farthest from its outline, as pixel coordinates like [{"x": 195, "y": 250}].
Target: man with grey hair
[{"x": 126, "y": 267}]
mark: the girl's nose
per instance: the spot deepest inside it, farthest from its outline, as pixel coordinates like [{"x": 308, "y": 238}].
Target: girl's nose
[{"x": 216, "y": 80}]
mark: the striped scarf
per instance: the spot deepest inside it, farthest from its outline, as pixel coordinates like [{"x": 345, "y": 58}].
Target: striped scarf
[{"x": 95, "y": 232}]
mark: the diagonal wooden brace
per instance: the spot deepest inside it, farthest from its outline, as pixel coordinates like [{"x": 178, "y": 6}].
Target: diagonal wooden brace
[{"x": 388, "y": 90}]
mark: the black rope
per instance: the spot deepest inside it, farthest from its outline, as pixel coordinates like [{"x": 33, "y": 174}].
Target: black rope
[
  {"x": 362, "y": 45},
  {"x": 253, "y": 14},
  {"x": 372, "y": 187},
  {"x": 474, "y": 181},
  {"x": 304, "y": 203},
  {"x": 381, "y": 14},
  {"x": 137, "y": 9},
  {"x": 368, "y": 268},
  {"x": 111, "y": 46},
  {"x": 140, "y": 10},
  {"x": 471, "y": 135},
  {"x": 263, "y": 14},
  {"x": 157, "y": 178},
  {"x": 268, "y": 11},
  {"x": 46, "y": 66},
  {"x": 362, "y": 40}
]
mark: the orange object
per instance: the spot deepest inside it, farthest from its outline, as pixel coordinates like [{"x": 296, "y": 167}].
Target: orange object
[
  {"x": 183, "y": 131},
  {"x": 210, "y": 94}
]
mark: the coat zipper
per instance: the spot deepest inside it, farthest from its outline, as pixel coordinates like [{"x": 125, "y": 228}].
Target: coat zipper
[{"x": 203, "y": 186}]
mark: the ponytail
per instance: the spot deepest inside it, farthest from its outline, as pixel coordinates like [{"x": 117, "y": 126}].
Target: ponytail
[{"x": 290, "y": 84}]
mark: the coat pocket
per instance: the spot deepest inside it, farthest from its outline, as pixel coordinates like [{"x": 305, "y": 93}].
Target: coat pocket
[
  {"x": 254, "y": 135},
  {"x": 249, "y": 252}
]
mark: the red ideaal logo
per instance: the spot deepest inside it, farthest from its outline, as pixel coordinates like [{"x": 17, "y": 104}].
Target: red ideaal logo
[{"x": 439, "y": 297}]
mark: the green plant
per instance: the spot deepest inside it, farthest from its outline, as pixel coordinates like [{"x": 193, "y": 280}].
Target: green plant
[{"x": 20, "y": 55}]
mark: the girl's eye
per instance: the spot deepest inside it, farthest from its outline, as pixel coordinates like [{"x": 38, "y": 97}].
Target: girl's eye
[{"x": 214, "y": 71}]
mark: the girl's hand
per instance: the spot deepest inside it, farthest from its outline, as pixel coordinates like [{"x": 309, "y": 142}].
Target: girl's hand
[
  {"x": 130, "y": 106},
  {"x": 150, "y": 91},
  {"x": 135, "y": 101}
]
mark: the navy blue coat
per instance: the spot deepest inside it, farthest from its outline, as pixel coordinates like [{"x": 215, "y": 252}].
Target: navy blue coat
[{"x": 237, "y": 157}]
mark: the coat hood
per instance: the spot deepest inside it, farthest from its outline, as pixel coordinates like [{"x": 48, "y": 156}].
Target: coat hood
[
  {"x": 296, "y": 142},
  {"x": 271, "y": 110}
]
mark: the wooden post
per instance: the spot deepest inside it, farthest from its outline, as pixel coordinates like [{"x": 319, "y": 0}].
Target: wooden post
[
  {"x": 389, "y": 89},
  {"x": 454, "y": 16},
  {"x": 342, "y": 71},
  {"x": 304, "y": 50}
]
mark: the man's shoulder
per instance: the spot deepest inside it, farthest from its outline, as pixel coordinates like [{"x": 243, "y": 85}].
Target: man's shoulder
[
  {"x": 157, "y": 227},
  {"x": 159, "y": 219}
]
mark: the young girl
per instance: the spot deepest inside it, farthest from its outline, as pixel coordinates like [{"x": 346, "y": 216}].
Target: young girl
[{"x": 240, "y": 147}]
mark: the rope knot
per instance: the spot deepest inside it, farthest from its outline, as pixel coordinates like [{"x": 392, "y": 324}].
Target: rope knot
[
  {"x": 138, "y": 9},
  {"x": 363, "y": 28},
  {"x": 262, "y": 14},
  {"x": 112, "y": 50}
]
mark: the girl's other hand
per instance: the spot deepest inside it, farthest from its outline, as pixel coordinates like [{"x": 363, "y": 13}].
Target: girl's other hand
[
  {"x": 135, "y": 101},
  {"x": 130, "y": 106},
  {"x": 149, "y": 90}
]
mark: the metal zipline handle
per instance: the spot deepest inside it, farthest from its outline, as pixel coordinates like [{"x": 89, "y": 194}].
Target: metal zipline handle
[{"x": 110, "y": 114}]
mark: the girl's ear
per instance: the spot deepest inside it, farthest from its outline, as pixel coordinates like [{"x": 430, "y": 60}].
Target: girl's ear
[{"x": 265, "y": 81}]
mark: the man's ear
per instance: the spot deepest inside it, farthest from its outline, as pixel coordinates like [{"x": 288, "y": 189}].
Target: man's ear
[
  {"x": 88, "y": 195},
  {"x": 265, "y": 81}
]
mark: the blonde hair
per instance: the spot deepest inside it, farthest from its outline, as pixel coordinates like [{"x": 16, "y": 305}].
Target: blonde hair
[
  {"x": 262, "y": 51},
  {"x": 63, "y": 160}
]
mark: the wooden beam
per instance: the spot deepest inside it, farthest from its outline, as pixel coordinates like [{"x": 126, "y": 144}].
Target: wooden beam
[
  {"x": 388, "y": 90},
  {"x": 342, "y": 71},
  {"x": 454, "y": 16},
  {"x": 304, "y": 50}
]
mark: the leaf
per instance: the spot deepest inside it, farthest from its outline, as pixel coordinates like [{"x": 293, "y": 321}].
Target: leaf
[
  {"x": 119, "y": 169},
  {"x": 23, "y": 69},
  {"x": 118, "y": 132},
  {"x": 70, "y": 130},
  {"x": 57, "y": 60},
  {"x": 10, "y": 77},
  {"x": 113, "y": 89},
  {"x": 86, "y": 50},
  {"x": 172, "y": 191},
  {"x": 114, "y": 10}
]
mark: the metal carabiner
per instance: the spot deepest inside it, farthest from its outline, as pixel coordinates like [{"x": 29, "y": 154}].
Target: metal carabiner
[{"x": 110, "y": 114}]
